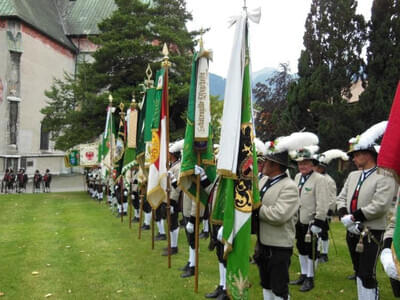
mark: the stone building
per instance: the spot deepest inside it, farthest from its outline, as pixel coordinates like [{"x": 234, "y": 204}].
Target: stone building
[{"x": 39, "y": 41}]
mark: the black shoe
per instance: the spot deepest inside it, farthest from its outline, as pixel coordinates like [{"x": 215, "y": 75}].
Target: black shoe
[
  {"x": 215, "y": 293},
  {"x": 188, "y": 273},
  {"x": 204, "y": 235},
  {"x": 145, "y": 227},
  {"x": 308, "y": 284},
  {"x": 185, "y": 267},
  {"x": 323, "y": 258},
  {"x": 135, "y": 220},
  {"x": 298, "y": 281},
  {"x": 351, "y": 277},
  {"x": 160, "y": 237},
  {"x": 223, "y": 296},
  {"x": 174, "y": 250}
]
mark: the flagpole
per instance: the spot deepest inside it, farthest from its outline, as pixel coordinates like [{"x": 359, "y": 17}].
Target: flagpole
[
  {"x": 110, "y": 99},
  {"x": 196, "y": 235},
  {"x": 166, "y": 64},
  {"x": 122, "y": 117},
  {"x": 148, "y": 83},
  {"x": 133, "y": 107}
]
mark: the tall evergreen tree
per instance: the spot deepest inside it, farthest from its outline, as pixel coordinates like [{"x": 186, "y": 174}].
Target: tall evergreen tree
[
  {"x": 383, "y": 55},
  {"x": 130, "y": 39},
  {"x": 330, "y": 63},
  {"x": 271, "y": 101}
]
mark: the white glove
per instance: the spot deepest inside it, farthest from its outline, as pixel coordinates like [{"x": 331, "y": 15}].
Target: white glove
[
  {"x": 171, "y": 209},
  {"x": 353, "y": 228},
  {"x": 220, "y": 234},
  {"x": 190, "y": 227},
  {"x": 171, "y": 176},
  {"x": 347, "y": 220},
  {"x": 388, "y": 263},
  {"x": 199, "y": 171},
  {"x": 315, "y": 229}
]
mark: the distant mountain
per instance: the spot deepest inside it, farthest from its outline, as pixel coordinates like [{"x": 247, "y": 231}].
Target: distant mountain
[{"x": 217, "y": 83}]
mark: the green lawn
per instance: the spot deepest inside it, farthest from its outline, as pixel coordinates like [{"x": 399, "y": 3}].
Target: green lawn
[{"x": 81, "y": 251}]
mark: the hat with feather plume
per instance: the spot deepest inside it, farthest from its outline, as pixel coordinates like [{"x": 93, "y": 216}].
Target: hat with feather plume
[
  {"x": 280, "y": 149},
  {"x": 326, "y": 157},
  {"x": 367, "y": 140}
]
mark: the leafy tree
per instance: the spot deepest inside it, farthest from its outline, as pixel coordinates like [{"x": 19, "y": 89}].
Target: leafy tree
[
  {"x": 217, "y": 107},
  {"x": 328, "y": 66},
  {"x": 383, "y": 55},
  {"x": 271, "y": 100},
  {"x": 130, "y": 38}
]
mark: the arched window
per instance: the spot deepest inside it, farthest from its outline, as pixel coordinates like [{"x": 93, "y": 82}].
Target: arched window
[{"x": 44, "y": 138}]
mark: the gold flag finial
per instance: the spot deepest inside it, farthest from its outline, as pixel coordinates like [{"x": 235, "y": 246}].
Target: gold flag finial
[
  {"x": 165, "y": 63},
  {"x": 133, "y": 102},
  {"x": 148, "y": 82}
]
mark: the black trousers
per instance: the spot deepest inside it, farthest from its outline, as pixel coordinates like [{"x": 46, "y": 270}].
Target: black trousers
[
  {"x": 175, "y": 215},
  {"x": 135, "y": 200},
  {"x": 219, "y": 247},
  {"x": 189, "y": 236},
  {"x": 303, "y": 247},
  {"x": 273, "y": 265},
  {"x": 364, "y": 263},
  {"x": 161, "y": 212},
  {"x": 325, "y": 232}
]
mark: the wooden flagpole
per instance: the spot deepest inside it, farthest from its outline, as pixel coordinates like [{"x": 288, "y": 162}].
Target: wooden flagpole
[{"x": 166, "y": 64}]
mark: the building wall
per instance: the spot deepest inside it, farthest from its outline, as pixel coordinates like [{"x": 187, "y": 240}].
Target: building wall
[
  {"x": 42, "y": 60},
  {"x": 3, "y": 83}
]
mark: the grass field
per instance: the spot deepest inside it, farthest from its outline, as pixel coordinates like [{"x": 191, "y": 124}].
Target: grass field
[{"x": 81, "y": 251}]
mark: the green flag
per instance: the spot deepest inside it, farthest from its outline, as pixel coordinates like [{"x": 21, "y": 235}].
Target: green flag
[
  {"x": 119, "y": 152},
  {"x": 238, "y": 191},
  {"x": 108, "y": 144},
  {"x": 144, "y": 127},
  {"x": 193, "y": 144}
]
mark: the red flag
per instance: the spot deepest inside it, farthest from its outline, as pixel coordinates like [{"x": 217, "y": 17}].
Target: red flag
[{"x": 388, "y": 157}]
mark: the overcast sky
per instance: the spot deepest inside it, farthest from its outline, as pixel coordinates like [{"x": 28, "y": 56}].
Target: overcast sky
[{"x": 277, "y": 39}]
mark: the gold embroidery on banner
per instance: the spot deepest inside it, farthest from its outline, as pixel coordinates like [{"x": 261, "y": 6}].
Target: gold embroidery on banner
[{"x": 155, "y": 147}]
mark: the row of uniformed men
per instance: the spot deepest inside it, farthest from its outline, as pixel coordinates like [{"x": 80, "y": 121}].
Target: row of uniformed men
[{"x": 296, "y": 210}]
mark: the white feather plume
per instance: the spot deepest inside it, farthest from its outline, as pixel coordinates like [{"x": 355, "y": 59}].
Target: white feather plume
[
  {"x": 176, "y": 146},
  {"x": 296, "y": 141},
  {"x": 368, "y": 137},
  {"x": 260, "y": 147},
  {"x": 332, "y": 154},
  {"x": 313, "y": 149}
]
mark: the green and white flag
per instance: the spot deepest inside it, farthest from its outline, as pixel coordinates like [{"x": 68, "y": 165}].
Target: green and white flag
[
  {"x": 198, "y": 134},
  {"x": 108, "y": 144},
  {"x": 237, "y": 163}
]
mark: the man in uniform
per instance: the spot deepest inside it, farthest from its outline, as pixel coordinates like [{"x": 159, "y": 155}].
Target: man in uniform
[
  {"x": 323, "y": 161},
  {"x": 189, "y": 214},
  {"x": 174, "y": 169},
  {"x": 4, "y": 181},
  {"x": 20, "y": 180},
  {"x": 37, "y": 180},
  {"x": 312, "y": 214},
  {"x": 135, "y": 193},
  {"x": 277, "y": 218},
  {"x": 363, "y": 205},
  {"x": 47, "y": 180}
]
